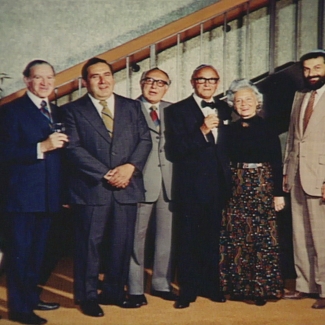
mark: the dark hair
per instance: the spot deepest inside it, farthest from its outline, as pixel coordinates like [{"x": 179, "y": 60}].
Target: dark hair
[
  {"x": 31, "y": 64},
  {"x": 90, "y": 62},
  {"x": 144, "y": 74},
  {"x": 313, "y": 55}
]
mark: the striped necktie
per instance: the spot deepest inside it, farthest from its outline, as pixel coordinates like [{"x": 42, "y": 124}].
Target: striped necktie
[
  {"x": 154, "y": 117},
  {"x": 45, "y": 111}
]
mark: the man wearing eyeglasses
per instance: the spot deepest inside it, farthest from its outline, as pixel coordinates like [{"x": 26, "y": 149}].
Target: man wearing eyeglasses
[
  {"x": 157, "y": 175},
  {"x": 196, "y": 133}
]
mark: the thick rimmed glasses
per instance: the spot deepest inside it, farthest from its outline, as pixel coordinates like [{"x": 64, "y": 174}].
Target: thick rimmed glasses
[
  {"x": 159, "y": 82},
  {"x": 202, "y": 80}
]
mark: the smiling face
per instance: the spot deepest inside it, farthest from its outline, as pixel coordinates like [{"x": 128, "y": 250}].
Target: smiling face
[
  {"x": 100, "y": 81},
  {"x": 314, "y": 72},
  {"x": 153, "y": 93},
  {"x": 41, "y": 80},
  {"x": 205, "y": 90},
  {"x": 245, "y": 103}
]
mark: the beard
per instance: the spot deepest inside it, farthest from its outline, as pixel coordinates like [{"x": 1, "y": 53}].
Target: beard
[{"x": 315, "y": 85}]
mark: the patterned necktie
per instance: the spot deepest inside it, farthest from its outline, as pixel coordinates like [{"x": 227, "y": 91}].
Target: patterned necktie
[
  {"x": 309, "y": 109},
  {"x": 107, "y": 117},
  {"x": 154, "y": 117},
  {"x": 45, "y": 111}
]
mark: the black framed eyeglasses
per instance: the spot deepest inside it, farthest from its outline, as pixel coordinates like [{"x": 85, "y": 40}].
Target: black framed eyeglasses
[
  {"x": 159, "y": 82},
  {"x": 202, "y": 80}
]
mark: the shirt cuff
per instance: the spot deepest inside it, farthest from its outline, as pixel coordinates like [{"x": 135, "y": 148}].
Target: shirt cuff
[{"x": 40, "y": 154}]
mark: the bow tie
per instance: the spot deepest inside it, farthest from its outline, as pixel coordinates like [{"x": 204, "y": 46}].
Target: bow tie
[{"x": 208, "y": 104}]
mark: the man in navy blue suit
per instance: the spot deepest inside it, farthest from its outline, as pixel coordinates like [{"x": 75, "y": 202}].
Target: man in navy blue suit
[
  {"x": 108, "y": 148},
  {"x": 30, "y": 150}
]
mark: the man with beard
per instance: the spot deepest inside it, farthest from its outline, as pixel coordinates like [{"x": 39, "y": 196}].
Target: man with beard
[{"x": 304, "y": 177}]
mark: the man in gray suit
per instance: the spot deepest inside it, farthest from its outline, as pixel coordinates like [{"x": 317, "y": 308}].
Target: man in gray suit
[
  {"x": 109, "y": 145},
  {"x": 157, "y": 181}
]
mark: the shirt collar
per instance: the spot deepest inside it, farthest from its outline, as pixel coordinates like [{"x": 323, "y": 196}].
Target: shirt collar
[{"x": 37, "y": 100}]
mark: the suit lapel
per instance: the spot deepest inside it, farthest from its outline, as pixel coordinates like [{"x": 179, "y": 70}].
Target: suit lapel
[
  {"x": 297, "y": 112},
  {"x": 90, "y": 113}
]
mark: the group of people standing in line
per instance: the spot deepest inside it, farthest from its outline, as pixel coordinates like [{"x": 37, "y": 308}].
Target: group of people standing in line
[{"x": 212, "y": 181}]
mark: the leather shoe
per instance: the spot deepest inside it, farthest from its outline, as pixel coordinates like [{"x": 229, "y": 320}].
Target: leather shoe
[
  {"x": 220, "y": 297},
  {"x": 91, "y": 308},
  {"x": 260, "y": 301},
  {"x": 181, "y": 303},
  {"x": 124, "y": 303},
  {"x": 319, "y": 304},
  {"x": 295, "y": 295},
  {"x": 47, "y": 305},
  {"x": 166, "y": 295},
  {"x": 140, "y": 300},
  {"x": 30, "y": 319}
]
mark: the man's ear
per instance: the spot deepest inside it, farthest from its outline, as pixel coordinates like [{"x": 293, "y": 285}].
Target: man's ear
[
  {"x": 84, "y": 82},
  {"x": 26, "y": 81}
]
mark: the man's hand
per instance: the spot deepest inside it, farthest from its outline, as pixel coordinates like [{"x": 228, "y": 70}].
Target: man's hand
[
  {"x": 55, "y": 141},
  {"x": 285, "y": 184},
  {"x": 211, "y": 121},
  {"x": 278, "y": 203},
  {"x": 120, "y": 176}
]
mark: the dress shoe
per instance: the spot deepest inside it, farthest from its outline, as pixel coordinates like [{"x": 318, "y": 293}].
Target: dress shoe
[
  {"x": 30, "y": 319},
  {"x": 181, "y": 304},
  {"x": 140, "y": 300},
  {"x": 124, "y": 303},
  {"x": 260, "y": 301},
  {"x": 166, "y": 295},
  {"x": 220, "y": 297},
  {"x": 91, "y": 308},
  {"x": 47, "y": 305},
  {"x": 319, "y": 304},
  {"x": 296, "y": 295}
]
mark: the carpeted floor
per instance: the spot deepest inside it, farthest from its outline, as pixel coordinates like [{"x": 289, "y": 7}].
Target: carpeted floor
[{"x": 158, "y": 311}]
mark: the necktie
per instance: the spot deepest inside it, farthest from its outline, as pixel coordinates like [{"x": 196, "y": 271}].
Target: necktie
[
  {"x": 107, "y": 117},
  {"x": 309, "y": 109},
  {"x": 154, "y": 116},
  {"x": 45, "y": 110},
  {"x": 208, "y": 104}
]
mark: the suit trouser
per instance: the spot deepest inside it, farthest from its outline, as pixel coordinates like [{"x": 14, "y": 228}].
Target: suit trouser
[
  {"x": 27, "y": 236},
  {"x": 308, "y": 223},
  {"x": 161, "y": 277},
  {"x": 116, "y": 221},
  {"x": 198, "y": 248}
]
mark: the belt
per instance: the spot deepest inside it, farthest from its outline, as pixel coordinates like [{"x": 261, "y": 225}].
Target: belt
[{"x": 246, "y": 165}]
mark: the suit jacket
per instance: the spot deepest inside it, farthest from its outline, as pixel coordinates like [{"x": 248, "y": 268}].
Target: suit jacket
[
  {"x": 198, "y": 163},
  {"x": 91, "y": 152},
  {"x": 33, "y": 184},
  {"x": 158, "y": 169},
  {"x": 306, "y": 150}
]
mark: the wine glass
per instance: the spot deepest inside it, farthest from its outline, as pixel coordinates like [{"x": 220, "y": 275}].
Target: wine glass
[{"x": 58, "y": 127}]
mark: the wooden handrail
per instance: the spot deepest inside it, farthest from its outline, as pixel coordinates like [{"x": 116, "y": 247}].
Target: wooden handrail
[{"x": 164, "y": 37}]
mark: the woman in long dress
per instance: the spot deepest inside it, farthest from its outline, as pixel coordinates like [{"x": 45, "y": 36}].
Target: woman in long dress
[{"x": 249, "y": 245}]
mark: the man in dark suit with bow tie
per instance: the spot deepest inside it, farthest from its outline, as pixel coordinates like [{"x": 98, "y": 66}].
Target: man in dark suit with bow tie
[
  {"x": 196, "y": 132},
  {"x": 109, "y": 145},
  {"x": 30, "y": 152}
]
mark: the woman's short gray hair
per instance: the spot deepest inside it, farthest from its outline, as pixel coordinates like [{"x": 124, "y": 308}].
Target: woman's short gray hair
[{"x": 238, "y": 84}]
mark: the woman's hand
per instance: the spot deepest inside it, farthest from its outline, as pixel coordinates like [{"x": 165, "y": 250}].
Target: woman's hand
[{"x": 278, "y": 203}]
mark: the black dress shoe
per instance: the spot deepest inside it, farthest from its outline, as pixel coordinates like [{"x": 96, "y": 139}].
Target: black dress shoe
[
  {"x": 124, "y": 303},
  {"x": 166, "y": 295},
  {"x": 91, "y": 308},
  {"x": 259, "y": 301},
  {"x": 220, "y": 297},
  {"x": 181, "y": 303},
  {"x": 30, "y": 319},
  {"x": 47, "y": 305},
  {"x": 140, "y": 300}
]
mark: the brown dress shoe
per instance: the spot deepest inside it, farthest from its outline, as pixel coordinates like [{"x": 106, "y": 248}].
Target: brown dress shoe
[
  {"x": 319, "y": 304},
  {"x": 295, "y": 295}
]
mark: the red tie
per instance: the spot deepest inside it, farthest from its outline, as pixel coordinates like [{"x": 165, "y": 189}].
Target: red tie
[
  {"x": 309, "y": 109},
  {"x": 154, "y": 116}
]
